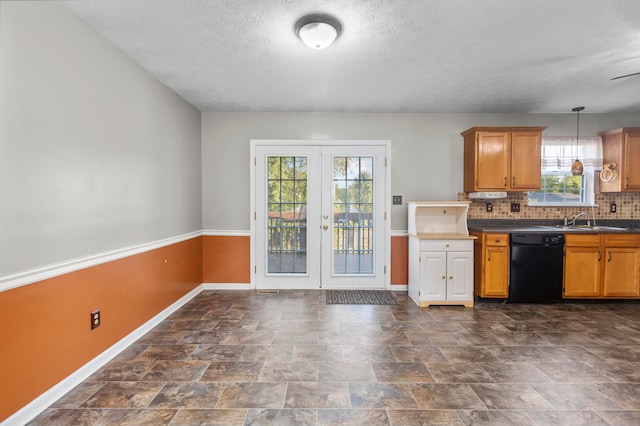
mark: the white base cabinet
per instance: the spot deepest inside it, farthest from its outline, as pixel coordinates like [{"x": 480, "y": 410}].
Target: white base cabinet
[
  {"x": 440, "y": 253},
  {"x": 441, "y": 272}
]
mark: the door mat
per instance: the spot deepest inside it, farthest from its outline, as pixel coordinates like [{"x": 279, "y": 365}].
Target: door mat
[{"x": 360, "y": 297}]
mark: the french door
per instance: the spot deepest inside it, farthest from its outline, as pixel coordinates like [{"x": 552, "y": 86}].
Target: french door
[{"x": 320, "y": 216}]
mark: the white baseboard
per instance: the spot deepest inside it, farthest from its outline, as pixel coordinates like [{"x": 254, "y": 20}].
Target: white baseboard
[
  {"x": 399, "y": 287},
  {"x": 41, "y": 403},
  {"x": 227, "y": 286}
]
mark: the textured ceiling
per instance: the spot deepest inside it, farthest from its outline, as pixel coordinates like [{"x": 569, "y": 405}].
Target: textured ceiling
[{"x": 393, "y": 55}]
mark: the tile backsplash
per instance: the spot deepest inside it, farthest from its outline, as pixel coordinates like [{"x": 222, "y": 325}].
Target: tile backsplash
[{"x": 628, "y": 207}]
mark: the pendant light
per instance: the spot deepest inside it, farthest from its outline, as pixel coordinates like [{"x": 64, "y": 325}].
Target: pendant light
[{"x": 576, "y": 168}]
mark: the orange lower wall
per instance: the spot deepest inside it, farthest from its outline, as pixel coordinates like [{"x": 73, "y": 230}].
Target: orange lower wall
[
  {"x": 226, "y": 259},
  {"x": 399, "y": 260},
  {"x": 45, "y": 330},
  {"x": 44, "y": 327}
]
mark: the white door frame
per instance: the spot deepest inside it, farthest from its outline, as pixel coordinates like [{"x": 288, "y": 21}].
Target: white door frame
[{"x": 314, "y": 142}]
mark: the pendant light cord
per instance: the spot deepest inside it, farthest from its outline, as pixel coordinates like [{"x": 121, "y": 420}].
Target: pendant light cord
[{"x": 577, "y": 110}]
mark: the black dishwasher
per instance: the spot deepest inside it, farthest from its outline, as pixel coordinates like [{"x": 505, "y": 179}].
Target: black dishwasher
[{"x": 535, "y": 268}]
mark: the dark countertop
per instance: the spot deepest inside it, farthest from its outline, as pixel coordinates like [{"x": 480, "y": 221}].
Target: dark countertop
[{"x": 551, "y": 227}]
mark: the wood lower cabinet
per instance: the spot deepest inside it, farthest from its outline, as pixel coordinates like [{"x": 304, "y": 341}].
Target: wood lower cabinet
[
  {"x": 491, "y": 278},
  {"x": 582, "y": 266},
  {"x": 602, "y": 266},
  {"x": 502, "y": 158}
]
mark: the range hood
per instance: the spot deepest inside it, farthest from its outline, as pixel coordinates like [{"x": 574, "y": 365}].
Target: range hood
[{"x": 487, "y": 195}]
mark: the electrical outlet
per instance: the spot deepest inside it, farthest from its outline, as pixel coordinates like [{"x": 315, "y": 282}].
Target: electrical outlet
[
  {"x": 95, "y": 319},
  {"x": 515, "y": 207},
  {"x": 489, "y": 207},
  {"x": 613, "y": 208},
  {"x": 397, "y": 200}
]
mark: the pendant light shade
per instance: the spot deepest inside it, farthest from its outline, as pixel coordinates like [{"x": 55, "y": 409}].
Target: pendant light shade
[
  {"x": 576, "y": 168},
  {"x": 318, "y": 31}
]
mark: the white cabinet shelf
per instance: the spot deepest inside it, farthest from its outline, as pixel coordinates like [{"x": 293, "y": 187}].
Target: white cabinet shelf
[
  {"x": 440, "y": 254},
  {"x": 448, "y": 218}
]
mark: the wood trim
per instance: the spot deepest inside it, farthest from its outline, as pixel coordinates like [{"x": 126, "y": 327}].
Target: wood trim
[{"x": 50, "y": 271}]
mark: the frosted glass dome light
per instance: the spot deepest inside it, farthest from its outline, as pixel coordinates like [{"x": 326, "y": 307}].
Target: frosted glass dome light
[{"x": 318, "y": 31}]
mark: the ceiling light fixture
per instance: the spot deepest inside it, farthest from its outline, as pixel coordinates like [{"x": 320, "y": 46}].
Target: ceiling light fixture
[
  {"x": 576, "y": 167},
  {"x": 318, "y": 31}
]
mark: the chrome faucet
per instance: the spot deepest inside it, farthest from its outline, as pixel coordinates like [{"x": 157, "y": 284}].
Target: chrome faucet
[{"x": 572, "y": 221}]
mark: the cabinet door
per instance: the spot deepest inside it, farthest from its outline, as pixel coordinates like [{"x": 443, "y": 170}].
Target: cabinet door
[
  {"x": 492, "y": 161},
  {"x": 433, "y": 276},
  {"x": 582, "y": 272},
  {"x": 496, "y": 272},
  {"x": 622, "y": 272},
  {"x": 459, "y": 276},
  {"x": 631, "y": 161},
  {"x": 526, "y": 153}
]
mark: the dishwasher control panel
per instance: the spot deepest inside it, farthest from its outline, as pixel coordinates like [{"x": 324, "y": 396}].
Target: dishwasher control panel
[{"x": 529, "y": 239}]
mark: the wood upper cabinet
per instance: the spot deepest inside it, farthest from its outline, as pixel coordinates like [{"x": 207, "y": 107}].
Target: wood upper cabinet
[
  {"x": 622, "y": 146},
  {"x": 502, "y": 158},
  {"x": 491, "y": 161},
  {"x": 526, "y": 160},
  {"x": 491, "y": 263},
  {"x": 602, "y": 266}
]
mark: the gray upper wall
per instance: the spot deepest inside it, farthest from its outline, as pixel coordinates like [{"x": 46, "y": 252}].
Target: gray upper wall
[
  {"x": 426, "y": 150},
  {"x": 95, "y": 154}
]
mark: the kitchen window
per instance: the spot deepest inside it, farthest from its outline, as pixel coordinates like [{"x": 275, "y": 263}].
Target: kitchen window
[{"x": 558, "y": 187}]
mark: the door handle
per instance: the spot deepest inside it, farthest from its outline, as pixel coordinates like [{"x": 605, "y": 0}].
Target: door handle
[
  {"x": 609, "y": 259},
  {"x": 505, "y": 181},
  {"x": 599, "y": 256},
  {"x": 513, "y": 183}
]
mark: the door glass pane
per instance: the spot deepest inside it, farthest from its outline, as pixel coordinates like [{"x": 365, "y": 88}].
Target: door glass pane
[
  {"x": 353, "y": 215},
  {"x": 287, "y": 215}
]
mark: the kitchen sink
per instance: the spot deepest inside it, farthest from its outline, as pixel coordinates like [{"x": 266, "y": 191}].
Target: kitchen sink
[
  {"x": 610, "y": 228},
  {"x": 583, "y": 228}
]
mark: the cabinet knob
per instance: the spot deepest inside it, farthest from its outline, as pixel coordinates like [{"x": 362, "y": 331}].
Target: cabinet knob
[
  {"x": 626, "y": 185},
  {"x": 505, "y": 181},
  {"x": 446, "y": 245},
  {"x": 444, "y": 277},
  {"x": 513, "y": 183},
  {"x": 450, "y": 277},
  {"x": 609, "y": 259}
]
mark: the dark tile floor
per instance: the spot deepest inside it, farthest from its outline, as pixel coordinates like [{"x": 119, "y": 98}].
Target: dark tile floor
[{"x": 230, "y": 358}]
